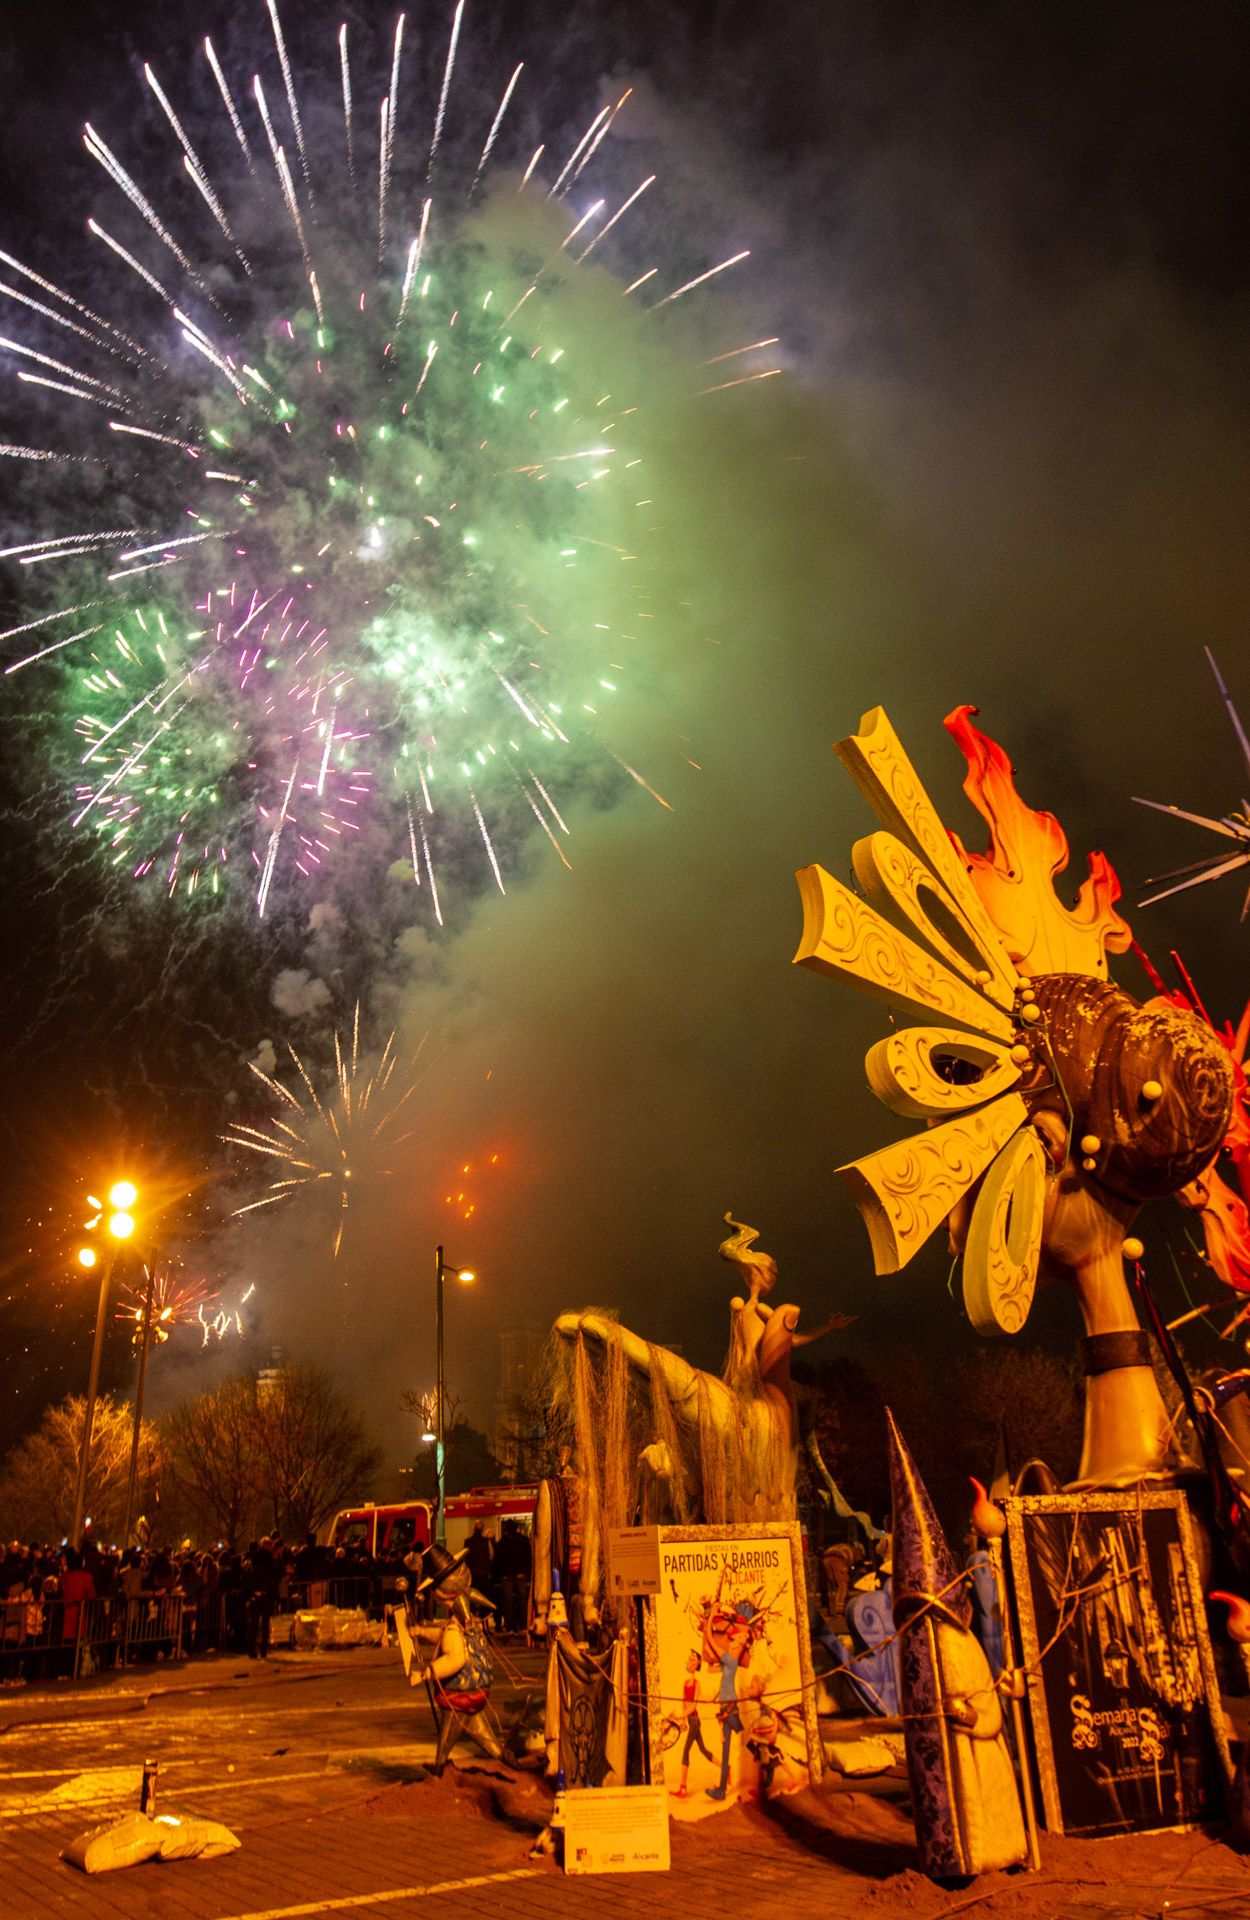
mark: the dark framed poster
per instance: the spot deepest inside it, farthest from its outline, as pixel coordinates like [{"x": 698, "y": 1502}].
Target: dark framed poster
[
  {"x": 1122, "y": 1692},
  {"x": 731, "y": 1704}
]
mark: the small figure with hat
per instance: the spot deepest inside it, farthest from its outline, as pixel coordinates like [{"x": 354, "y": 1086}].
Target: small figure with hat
[{"x": 460, "y": 1673}]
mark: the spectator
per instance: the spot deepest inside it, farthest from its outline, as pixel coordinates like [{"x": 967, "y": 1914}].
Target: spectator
[
  {"x": 230, "y": 1587},
  {"x": 261, "y": 1584},
  {"x": 77, "y": 1585},
  {"x": 513, "y": 1567},
  {"x": 480, "y": 1557},
  {"x": 190, "y": 1584},
  {"x": 309, "y": 1568},
  {"x": 208, "y": 1619},
  {"x": 160, "y": 1579},
  {"x": 15, "y": 1566}
]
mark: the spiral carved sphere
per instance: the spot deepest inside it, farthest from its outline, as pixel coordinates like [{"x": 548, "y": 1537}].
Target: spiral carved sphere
[{"x": 1105, "y": 1048}]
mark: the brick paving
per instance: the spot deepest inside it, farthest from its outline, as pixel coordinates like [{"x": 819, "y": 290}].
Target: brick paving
[{"x": 312, "y": 1764}]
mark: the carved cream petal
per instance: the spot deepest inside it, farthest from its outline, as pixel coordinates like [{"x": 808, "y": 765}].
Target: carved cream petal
[
  {"x": 877, "y": 762},
  {"x": 902, "y": 887},
  {"x": 907, "y": 1190},
  {"x": 849, "y": 940},
  {"x": 902, "y": 1075},
  {"x": 1004, "y": 1244}
]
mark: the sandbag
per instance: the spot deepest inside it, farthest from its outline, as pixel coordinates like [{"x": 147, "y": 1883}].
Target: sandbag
[
  {"x": 338, "y": 1627},
  {"x": 305, "y": 1635},
  {"x": 129, "y": 1842},
  {"x": 125, "y": 1843},
  {"x": 191, "y": 1839}
]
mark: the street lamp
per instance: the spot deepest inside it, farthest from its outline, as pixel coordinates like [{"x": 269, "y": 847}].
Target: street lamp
[
  {"x": 442, "y": 1267},
  {"x": 145, "y": 1344},
  {"x": 120, "y": 1225}
]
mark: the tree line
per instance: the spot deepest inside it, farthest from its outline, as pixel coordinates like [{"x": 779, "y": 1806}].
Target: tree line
[
  {"x": 285, "y": 1453},
  {"x": 280, "y": 1455}
]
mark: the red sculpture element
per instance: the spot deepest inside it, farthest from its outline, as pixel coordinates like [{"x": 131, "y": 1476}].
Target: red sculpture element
[
  {"x": 1225, "y": 1211},
  {"x": 987, "y": 1516},
  {"x": 1238, "y": 1616}
]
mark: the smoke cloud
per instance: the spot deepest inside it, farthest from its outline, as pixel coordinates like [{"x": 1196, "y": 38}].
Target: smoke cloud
[{"x": 1005, "y": 463}]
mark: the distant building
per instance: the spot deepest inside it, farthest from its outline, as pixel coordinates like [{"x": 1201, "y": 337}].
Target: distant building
[
  {"x": 270, "y": 1375},
  {"x": 521, "y": 1351}
]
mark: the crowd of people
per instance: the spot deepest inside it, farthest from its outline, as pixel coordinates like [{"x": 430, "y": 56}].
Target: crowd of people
[
  {"x": 501, "y": 1570},
  {"x": 160, "y": 1603}
]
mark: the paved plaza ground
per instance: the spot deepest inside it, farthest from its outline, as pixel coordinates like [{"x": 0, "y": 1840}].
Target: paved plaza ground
[{"x": 314, "y": 1761}]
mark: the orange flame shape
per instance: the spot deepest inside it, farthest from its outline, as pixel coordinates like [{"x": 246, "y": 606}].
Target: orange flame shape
[{"x": 1014, "y": 879}]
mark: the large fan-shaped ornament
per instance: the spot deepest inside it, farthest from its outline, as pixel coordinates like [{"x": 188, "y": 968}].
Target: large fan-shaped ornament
[
  {"x": 925, "y": 946},
  {"x": 1038, "y": 1061},
  {"x": 1004, "y": 1242}
]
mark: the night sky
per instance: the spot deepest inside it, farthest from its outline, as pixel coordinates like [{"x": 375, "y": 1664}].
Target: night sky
[{"x": 1004, "y": 250}]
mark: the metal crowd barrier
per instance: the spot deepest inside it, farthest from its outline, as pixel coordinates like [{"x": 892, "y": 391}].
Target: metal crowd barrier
[
  {"x": 114, "y": 1631},
  {"x": 46, "y": 1640},
  {"x": 356, "y": 1590},
  {"x": 33, "y": 1642},
  {"x": 58, "y": 1638}
]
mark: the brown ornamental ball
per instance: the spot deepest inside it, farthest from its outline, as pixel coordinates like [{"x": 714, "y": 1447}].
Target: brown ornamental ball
[{"x": 1107, "y": 1050}]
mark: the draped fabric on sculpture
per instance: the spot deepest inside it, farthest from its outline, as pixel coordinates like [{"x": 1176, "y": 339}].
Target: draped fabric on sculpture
[
  {"x": 659, "y": 1441},
  {"x": 657, "y": 1438}
]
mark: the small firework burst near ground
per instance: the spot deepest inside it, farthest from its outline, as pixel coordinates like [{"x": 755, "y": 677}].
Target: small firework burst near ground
[
  {"x": 177, "y": 1299},
  {"x": 370, "y": 414}
]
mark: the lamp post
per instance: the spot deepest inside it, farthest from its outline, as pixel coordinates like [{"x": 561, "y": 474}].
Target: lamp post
[
  {"x": 121, "y": 1225},
  {"x": 145, "y": 1344},
  {"x": 442, "y": 1267}
]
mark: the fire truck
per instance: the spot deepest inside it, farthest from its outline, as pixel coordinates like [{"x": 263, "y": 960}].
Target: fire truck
[
  {"x": 386, "y": 1532},
  {"x": 392, "y": 1531}
]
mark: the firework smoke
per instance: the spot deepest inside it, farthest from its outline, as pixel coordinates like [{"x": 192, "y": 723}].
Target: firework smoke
[{"x": 377, "y": 434}]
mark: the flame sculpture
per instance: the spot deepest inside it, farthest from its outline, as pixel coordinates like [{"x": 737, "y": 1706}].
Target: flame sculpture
[{"x": 1054, "y": 1103}]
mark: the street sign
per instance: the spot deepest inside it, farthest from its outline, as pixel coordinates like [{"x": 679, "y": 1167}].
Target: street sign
[
  {"x": 633, "y": 1559},
  {"x": 616, "y": 1829}
]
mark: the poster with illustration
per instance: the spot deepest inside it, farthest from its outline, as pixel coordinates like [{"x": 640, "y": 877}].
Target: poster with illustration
[
  {"x": 1122, "y": 1690},
  {"x": 730, "y": 1700}
]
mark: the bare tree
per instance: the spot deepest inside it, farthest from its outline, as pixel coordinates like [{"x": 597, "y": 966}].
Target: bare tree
[
  {"x": 39, "y": 1478},
  {"x": 215, "y": 1462},
  {"x": 530, "y": 1434},
  {"x": 314, "y": 1452}
]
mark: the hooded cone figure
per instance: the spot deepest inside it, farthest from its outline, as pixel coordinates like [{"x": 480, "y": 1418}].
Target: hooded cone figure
[{"x": 963, "y": 1785}]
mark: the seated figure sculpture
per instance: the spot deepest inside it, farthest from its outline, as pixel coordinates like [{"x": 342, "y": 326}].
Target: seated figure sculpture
[
  {"x": 656, "y": 1435},
  {"x": 744, "y": 1425}
]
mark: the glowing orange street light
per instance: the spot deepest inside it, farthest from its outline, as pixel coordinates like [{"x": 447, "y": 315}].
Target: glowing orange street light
[
  {"x": 120, "y": 1226},
  {"x": 442, "y": 1268}
]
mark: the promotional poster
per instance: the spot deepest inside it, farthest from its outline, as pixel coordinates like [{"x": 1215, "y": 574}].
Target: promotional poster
[
  {"x": 730, "y": 1698},
  {"x": 1122, "y": 1688}
]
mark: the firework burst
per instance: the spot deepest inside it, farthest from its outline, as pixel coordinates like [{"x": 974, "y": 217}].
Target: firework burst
[
  {"x": 178, "y": 1300},
  {"x": 222, "y": 740},
  {"x": 356, "y": 384},
  {"x": 329, "y": 1143},
  {"x": 1233, "y": 826}
]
